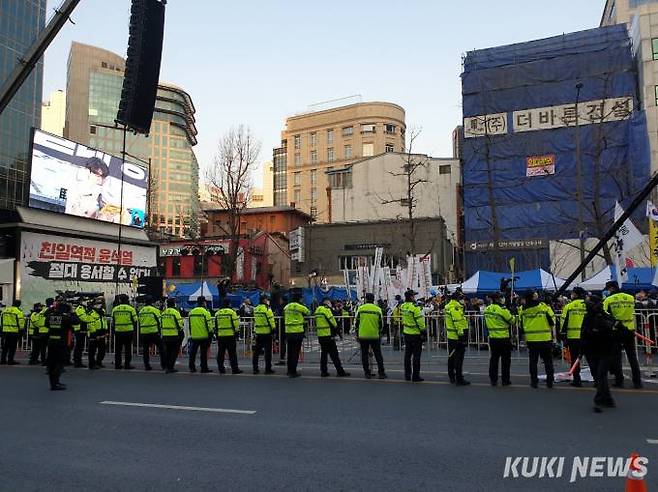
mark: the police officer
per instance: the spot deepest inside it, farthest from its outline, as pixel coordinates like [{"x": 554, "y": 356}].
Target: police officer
[
  {"x": 538, "y": 320},
  {"x": 172, "y": 335},
  {"x": 293, "y": 314},
  {"x": 59, "y": 328},
  {"x": 201, "y": 329},
  {"x": 264, "y": 327},
  {"x": 95, "y": 318},
  {"x": 124, "y": 321},
  {"x": 622, "y": 307},
  {"x": 598, "y": 342},
  {"x": 80, "y": 335},
  {"x": 368, "y": 323},
  {"x": 457, "y": 333},
  {"x": 572, "y": 322},
  {"x": 498, "y": 321},
  {"x": 325, "y": 328},
  {"x": 12, "y": 321},
  {"x": 413, "y": 329},
  {"x": 37, "y": 321},
  {"x": 228, "y": 329},
  {"x": 149, "y": 332}
]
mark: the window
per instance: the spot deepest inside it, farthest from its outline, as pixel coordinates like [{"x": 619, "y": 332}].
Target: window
[
  {"x": 314, "y": 177},
  {"x": 389, "y": 129},
  {"x": 175, "y": 271},
  {"x": 92, "y": 130},
  {"x": 298, "y": 142},
  {"x": 314, "y": 195},
  {"x": 445, "y": 169},
  {"x": 347, "y": 152},
  {"x": 341, "y": 179},
  {"x": 330, "y": 154},
  {"x": 330, "y": 136},
  {"x": 104, "y": 64},
  {"x": 656, "y": 90},
  {"x": 389, "y": 148},
  {"x": 298, "y": 160},
  {"x": 314, "y": 139},
  {"x": 314, "y": 156},
  {"x": 368, "y": 150},
  {"x": 348, "y": 131},
  {"x": 297, "y": 197},
  {"x": 654, "y": 48},
  {"x": 368, "y": 128},
  {"x": 297, "y": 179}
]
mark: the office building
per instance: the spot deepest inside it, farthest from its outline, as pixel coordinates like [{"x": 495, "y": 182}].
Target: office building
[
  {"x": 53, "y": 113},
  {"x": 94, "y": 82},
  {"x": 319, "y": 141},
  {"x": 20, "y": 23}
]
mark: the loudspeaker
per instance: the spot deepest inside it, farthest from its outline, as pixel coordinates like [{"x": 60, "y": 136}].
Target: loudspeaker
[{"x": 140, "y": 82}]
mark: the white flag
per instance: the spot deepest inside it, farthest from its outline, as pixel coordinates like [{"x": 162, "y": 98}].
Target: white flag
[
  {"x": 626, "y": 238},
  {"x": 652, "y": 212}
]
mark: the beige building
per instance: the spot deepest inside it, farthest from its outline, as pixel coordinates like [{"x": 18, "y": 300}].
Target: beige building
[
  {"x": 317, "y": 142},
  {"x": 262, "y": 194},
  {"x": 641, "y": 18},
  {"x": 373, "y": 189},
  {"x": 94, "y": 84},
  {"x": 53, "y": 113}
]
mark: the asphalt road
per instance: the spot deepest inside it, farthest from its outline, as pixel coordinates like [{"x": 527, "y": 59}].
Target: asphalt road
[{"x": 306, "y": 434}]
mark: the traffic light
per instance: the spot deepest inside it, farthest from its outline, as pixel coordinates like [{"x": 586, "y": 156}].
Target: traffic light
[{"x": 151, "y": 286}]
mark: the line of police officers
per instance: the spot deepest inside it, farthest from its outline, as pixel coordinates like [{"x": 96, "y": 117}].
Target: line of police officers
[{"x": 594, "y": 328}]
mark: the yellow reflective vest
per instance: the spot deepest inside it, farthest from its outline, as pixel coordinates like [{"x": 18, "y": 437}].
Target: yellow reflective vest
[
  {"x": 171, "y": 323},
  {"x": 149, "y": 320},
  {"x": 200, "y": 323},
  {"x": 38, "y": 323},
  {"x": 96, "y": 322},
  {"x": 324, "y": 321},
  {"x": 124, "y": 318},
  {"x": 573, "y": 315},
  {"x": 536, "y": 324},
  {"x": 263, "y": 320},
  {"x": 293, "y": 317},
  {"x": 413, "y": 321},
  {"x": 368, "y": 319},
  {"x": 456, "y": 322},
  {"x": 498, "y": 320},
  {"x": 12, "y": 320},
  {"x": 228, "y": 322},
  {"x": 621, "y": 306}
]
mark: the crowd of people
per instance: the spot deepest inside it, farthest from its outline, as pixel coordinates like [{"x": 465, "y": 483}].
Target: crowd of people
[{"x": 593, "y": 328}]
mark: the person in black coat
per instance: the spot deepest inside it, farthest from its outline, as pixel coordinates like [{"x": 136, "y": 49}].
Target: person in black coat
[{"x": 599, "y": 344}]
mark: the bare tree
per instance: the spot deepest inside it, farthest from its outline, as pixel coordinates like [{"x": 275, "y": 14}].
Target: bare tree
[
  {"x": 152, "y": 202},
  {"x": 410, "y": 171},
  {"x": 230, "y": 185}
]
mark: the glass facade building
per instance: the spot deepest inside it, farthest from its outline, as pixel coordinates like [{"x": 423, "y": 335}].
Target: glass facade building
[
  {"x": 20, "y": 23},
  {"x": 95, "y": 79}
]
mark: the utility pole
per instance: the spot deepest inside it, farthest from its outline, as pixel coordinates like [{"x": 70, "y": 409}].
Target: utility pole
[{"x": 579, "y": 183}]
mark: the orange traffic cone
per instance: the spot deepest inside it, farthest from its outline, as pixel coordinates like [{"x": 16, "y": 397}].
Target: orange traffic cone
[{"x": 635, "y": 483}]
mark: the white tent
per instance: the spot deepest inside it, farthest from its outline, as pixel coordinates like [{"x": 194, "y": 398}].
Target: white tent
[
  {"x": 470, "y": 285},
  {"x": 597, "y": 282},
  {"x": 207, "y": 292}
]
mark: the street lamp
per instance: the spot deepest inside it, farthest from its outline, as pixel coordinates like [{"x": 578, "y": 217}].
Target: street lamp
[{"x": 579, "y": 183}]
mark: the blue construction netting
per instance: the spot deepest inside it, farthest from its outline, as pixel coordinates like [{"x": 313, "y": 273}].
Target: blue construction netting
[{"x": 615, "y": 157}]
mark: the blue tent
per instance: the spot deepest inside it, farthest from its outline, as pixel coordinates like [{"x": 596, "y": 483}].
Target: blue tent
[
  {"x": 483, "y": 282},
  {"x": 638, "y": 279}
]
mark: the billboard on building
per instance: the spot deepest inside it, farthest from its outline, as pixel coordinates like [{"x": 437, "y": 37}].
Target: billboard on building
[
  {"x": 51, "y": 263},
  {"x": 71, "y": 178}
]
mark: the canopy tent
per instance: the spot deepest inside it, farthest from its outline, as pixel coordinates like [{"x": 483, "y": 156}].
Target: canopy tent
[
  {"x": 638, "y": 278},
  {"x": 483, "y": 282}
]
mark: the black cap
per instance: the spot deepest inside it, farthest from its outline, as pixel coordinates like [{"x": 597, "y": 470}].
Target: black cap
[
  {"x": 496, "y": 296},
  {"x": 458, "y": 294},
  {"x": 370, "y": 297},
  {"x": 612, "y": 284},
  {"x": 529, "y": 295},
  {"x": 579, "y": 292}
]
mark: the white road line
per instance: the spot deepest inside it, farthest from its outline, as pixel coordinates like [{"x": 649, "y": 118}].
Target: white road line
[
  {"x": 176, "y": 407},
  {"x": 652, "y": 441}
]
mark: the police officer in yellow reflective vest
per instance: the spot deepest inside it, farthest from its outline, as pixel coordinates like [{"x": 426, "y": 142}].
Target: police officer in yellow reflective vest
[
  {"x": 457, "y": 333},
  {"x": 12, "y": 321},
  {"x": 326, "y": 328},
  {"x": 228, "y": 330},
  {"x": 538, "y": 320},
  {"x": 201, "y": 327},
  {"x": 95, "y": 318},
  {"x": 293, "y": 315},
  {"x": 621, "y": 306},
  {"x": 37, "y": 323},
  {"x": 172, "y": 335},
  {"x": 59, "y": 328},
  {"x": 149, "y": 332},
  {"x": 498, "y": 321},
  {"x": 414, "y": 330},
  {"x": 573, "y": 315},
  {"x": 368, "y": 323},
  {"x": 79, "y": 334},
  {"x": 264, "y": 327},
  {"x": 124, "y": 321}
]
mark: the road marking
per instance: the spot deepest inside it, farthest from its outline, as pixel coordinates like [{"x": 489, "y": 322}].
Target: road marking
[
  {"x": 652, "y": 441},
  {"x": 176, "y": 407}
]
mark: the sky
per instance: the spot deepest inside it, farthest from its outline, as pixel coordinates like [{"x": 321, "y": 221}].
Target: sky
[{"x": 256, "y": 62}]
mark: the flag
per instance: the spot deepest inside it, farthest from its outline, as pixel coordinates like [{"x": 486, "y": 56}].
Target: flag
[
  {"x": 652, "y": 215},
  {"x": 627, "y": 237},
  {"x": 652, "y": 211}
]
